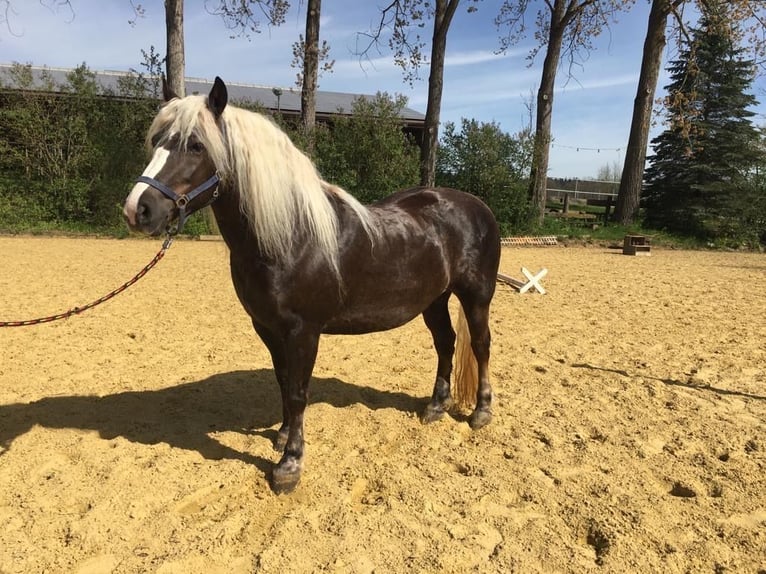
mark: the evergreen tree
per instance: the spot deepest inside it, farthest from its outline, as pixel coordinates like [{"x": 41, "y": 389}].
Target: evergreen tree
[{"x": 705, "y": 160}]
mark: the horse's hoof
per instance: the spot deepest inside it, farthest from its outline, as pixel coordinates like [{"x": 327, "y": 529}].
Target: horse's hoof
[
  {"x": 284, "y": 481},
  {"x": 479, "y": 419},
  {"x": 431, "y": 414}
]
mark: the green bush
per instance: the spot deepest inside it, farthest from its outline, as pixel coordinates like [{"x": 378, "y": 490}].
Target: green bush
[{"x": 491, "y": 164}]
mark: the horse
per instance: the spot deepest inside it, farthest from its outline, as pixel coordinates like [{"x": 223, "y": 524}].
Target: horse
[{"x": 308, "y": 259}]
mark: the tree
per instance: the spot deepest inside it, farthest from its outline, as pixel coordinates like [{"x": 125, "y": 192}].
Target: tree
[
  {"x": 654, "y": 43},
  {"x": 174, "y": 26},
  {"x": 609, "y": 172},
  {"x": 174, "y": 56},
  {"x": 310, "y": 73},
  {"x": 237, "y": 15},
  {"x": 443, "y": 14},
  {"x": 564, "y": 26},
  {"x": 401, "y": 16},
  {"x": 8, "y": 11},
  {"x": 241, "y": 17},
  {"x": 705, "y": 160},
  {"x": 367, "y": 153},
  {"x": 635, "y": 155},
  {"x": 483, "y": 160}
]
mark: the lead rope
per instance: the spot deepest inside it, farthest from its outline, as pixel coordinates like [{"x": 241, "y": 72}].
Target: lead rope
[{"x": 77, "y": 310}]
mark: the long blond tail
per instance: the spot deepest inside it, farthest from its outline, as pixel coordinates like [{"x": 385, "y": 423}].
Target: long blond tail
[{"x": 466, "y": 371}]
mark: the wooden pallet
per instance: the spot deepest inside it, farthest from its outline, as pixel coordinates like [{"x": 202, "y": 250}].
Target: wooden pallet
[{"x": 529, "y": 240}]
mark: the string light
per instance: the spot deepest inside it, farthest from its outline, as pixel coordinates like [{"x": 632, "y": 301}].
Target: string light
[{"x": 583, "y": 148}]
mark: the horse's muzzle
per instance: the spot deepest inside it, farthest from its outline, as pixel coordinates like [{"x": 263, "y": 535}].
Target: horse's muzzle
[{"x": 152, "y": 215}]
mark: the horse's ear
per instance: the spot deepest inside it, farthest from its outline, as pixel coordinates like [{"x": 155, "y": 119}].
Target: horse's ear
[
  {"x": 218, "y": 97},
  {"x": 167, "y": 93}
]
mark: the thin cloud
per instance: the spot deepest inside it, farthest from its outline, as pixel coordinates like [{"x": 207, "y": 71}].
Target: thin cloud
[
  {"x": 473, "y": 57},
  {"x": 599, "y": 83}
]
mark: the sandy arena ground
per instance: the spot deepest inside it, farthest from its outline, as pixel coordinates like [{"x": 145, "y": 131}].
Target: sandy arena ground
[{"x": 629, "y": 431}]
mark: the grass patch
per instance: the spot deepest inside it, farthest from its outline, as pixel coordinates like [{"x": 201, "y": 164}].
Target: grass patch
[{"x": 612, "y": 234}]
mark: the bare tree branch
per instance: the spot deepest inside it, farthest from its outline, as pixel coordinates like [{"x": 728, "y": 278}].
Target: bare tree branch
[
  {"x": 398, "y": 17},
  {"x": 55, "y": 5},
  {"x": 8, "y": 12},
  {"x": 244, "y": 17}
]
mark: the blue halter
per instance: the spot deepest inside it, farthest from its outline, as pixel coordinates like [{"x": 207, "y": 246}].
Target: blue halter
[{"x": 182, "y": 201}]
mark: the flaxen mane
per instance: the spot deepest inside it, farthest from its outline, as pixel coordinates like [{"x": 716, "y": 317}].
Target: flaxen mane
[{"x": 278, "y": 184}]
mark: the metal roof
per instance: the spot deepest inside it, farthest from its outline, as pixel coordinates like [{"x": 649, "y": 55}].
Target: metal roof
[{"x": 289, "y": 100}]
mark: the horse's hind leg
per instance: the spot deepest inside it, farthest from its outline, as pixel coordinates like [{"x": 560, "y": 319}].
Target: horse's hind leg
[
  {"x": 477, "y": 317},
  {"x": 438, "y": 322}
]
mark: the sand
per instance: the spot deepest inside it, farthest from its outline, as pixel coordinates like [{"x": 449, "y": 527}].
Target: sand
[{"x": 629, "y": 431}]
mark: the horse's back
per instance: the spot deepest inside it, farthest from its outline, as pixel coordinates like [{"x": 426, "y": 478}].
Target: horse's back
[
  {"x": 443, "y": 204},
  {"x": 462, "y": 225},
  {"x": 462, "y": 218}
]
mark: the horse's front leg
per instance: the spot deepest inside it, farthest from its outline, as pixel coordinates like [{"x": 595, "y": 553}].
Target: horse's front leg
[
  {"x": 300, "y": 351},
  {"x": 276, "y": 348}
]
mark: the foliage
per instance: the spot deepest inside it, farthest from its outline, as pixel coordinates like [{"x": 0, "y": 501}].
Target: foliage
[
  {"x": 140, "y": 85},
  {"x": 483, "y": 160},
  {"x": 366, "y": 152},
  {"x": 299, "y": 55},
  {"x": 572, "y": 231},
  {"x": 47, "y": 141},
  {"x": 68, "y": 154},
  {"x": 68, "y": 159},
  {"x": 702, "y": 177}
]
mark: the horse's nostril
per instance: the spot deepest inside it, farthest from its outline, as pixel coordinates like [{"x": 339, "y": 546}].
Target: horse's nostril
[{"x": 143, "y": 215}]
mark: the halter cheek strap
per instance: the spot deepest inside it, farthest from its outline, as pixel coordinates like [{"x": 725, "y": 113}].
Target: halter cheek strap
[{"x": 182, "y": 201}]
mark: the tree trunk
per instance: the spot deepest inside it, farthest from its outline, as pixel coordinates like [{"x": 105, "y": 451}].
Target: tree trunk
[
  {"x": 310, "y": 73},
  {"x": 539, "y": 175},
  {"x": 635, "y": 156},
  {"x": 174, "y": 62},
  {"x": 445, "y": 10}
]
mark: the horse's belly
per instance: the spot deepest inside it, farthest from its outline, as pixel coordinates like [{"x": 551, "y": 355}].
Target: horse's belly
[
  {"x": 358, "y": 323},
  {"x": 380, "y": 312}
]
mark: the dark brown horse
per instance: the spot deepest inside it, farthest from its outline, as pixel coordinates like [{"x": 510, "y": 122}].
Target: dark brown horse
[{"x": 307, "y": 258}]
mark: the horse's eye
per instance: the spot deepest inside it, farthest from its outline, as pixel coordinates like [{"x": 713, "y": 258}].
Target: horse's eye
[{"x": 196, "y": 147}]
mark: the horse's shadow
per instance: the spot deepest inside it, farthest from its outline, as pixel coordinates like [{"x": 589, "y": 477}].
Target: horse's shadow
[{"x": 184, "y": 416}]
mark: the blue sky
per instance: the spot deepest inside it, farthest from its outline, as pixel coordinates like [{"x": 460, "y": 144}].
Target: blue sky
[{"x": 592, "y": 110}]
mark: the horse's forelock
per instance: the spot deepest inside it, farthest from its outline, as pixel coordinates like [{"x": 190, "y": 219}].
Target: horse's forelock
[{"x": 187, "y": 117}]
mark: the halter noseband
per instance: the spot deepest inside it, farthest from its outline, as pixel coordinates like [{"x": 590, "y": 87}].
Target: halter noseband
[{"x": 182, "y": 201}]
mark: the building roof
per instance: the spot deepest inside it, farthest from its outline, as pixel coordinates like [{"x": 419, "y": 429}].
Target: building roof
[{"x": 288, "y": 102}]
